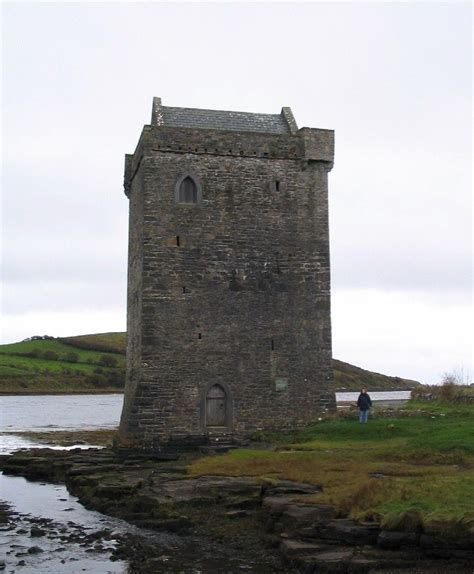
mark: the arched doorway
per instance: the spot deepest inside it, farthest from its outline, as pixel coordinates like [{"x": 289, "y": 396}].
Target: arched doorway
[{"x": 216, "y": 411}]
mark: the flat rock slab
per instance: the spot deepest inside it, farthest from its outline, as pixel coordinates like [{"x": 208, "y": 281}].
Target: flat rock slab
[
  {"x": 88, "y": 469},
  {"x": 435, "y": 542},
  {"x": 348, "y": 531},
  {"x": 330, "y": 562},
  {"x": 206, "y": 488},
  {"x": 285, "y": 487},
  {"x": 292, "y": 547},
  {"x": 300, "y": 516},
  {"x": 392, "y": 540},
  {"x": 275, "y": 505},
  {"x": 236, "y": 514}
]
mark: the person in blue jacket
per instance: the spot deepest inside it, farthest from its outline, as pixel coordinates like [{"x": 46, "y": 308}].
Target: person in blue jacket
[{"x": 364, "y": 402}]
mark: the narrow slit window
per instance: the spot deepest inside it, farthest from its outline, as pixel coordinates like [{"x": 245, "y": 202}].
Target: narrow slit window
[
  {"x": 277, "y": 185},
  {"x": 199, "y": 336},
  {"x": 273, "y": 345},
  {"x": 184, "y": 289},
  {"x": 188, "y": 191},
  {"x": 177, "y": 240}
]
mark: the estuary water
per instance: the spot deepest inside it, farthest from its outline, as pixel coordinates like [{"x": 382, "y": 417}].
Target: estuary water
[
  {"x": 50, "y": 505},
  {"x": 376, "y": 396},
  {"x": 52, "y": 413},
  {"x": 59, "y": 412}
]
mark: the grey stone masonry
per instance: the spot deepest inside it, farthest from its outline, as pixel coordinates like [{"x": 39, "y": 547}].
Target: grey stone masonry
[{"x": 229, "y": 326}]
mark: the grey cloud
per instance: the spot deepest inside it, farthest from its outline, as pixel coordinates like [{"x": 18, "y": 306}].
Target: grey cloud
[{"x": 393, "y": 80}]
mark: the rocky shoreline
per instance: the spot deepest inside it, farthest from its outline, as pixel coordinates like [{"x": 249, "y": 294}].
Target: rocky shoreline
[{"x": 230, "y": 524}]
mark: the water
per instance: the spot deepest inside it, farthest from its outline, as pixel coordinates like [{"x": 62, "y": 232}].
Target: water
[
  {"x": 67, "y": 524},
  {"x": 59, "y": 412},
  {"x": 380, "y": 396},
  {"x": 43, "y": 413},
  {"x": 65, "y": 546}
]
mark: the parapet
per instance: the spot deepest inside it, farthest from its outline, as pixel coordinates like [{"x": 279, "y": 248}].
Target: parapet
[{"x": 318, "y": 144}]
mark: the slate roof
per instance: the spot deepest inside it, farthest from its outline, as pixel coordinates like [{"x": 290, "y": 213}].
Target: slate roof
[{"x": 221, "y": 120}]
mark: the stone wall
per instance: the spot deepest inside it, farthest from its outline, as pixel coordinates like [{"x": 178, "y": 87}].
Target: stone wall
[{"x": 234, "y": 290}]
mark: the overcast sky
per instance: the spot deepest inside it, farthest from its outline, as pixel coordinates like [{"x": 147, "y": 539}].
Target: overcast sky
[{"x": 392, "y": 79}]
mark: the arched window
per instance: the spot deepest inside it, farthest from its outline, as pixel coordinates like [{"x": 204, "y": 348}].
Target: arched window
[{"x": 188, "y": 191}]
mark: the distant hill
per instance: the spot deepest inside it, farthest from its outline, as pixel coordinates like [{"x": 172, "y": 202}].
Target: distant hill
[
  {"x": 96, "y": 363},
  {"x": 103, "y": 342},
  {"x": 350, "y": 378},
  {"x": 89, "y": 363}
]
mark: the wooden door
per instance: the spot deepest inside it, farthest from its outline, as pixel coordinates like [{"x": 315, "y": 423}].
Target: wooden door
[{"x": 216, "y": 407}]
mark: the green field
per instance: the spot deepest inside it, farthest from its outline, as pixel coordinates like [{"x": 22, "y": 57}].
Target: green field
[
  {"x": 75, "y": 364},
  {"x": 415, "y": 469}
]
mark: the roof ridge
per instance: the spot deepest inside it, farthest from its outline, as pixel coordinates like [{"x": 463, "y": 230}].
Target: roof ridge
[
  {"x": 234, "y": 120},
  {"x": 222, "y": 111}
]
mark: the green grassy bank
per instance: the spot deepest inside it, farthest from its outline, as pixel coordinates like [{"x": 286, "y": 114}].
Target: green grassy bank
[
  {"x": 89, "y": 363},
  {"x": 413, "y": 471}
]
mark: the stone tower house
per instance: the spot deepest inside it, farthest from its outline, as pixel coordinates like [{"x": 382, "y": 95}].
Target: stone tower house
[{"x": 229, "y": 327}]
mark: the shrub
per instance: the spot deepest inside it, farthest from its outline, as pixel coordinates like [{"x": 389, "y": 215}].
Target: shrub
[
  {"x": 50, "y": 355},
  {"x": 34, "y": 353},
  {"x": 71, "y": 357},
  {"x": 107, "y": 361},
  {"x": 97, "y": 380},
  {"x": 116, "y": 378},
  {"x": 448, "y": 391}
]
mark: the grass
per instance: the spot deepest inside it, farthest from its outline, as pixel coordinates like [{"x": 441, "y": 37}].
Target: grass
[
  {"x": 42, "y": 365},
  {"x": 62, "y": 350},
  {"x": 413, "y": 465},
  {"x": 104, "y": 342},
  {"x": 26, "y": 368}
]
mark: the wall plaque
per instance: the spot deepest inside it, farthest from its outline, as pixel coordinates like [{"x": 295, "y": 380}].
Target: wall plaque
[{"x": 281, "y": 384}]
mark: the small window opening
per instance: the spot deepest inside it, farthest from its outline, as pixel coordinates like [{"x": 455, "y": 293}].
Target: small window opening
[
  {"x": 199, "y": 336},
  {"x": 188, "y": 191},
  {"x": 273, "y": 345},
  {"x": 184, "y": 289},
  {"x": 177, "y": 240},
  {"x": 277, "y": 185}
]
